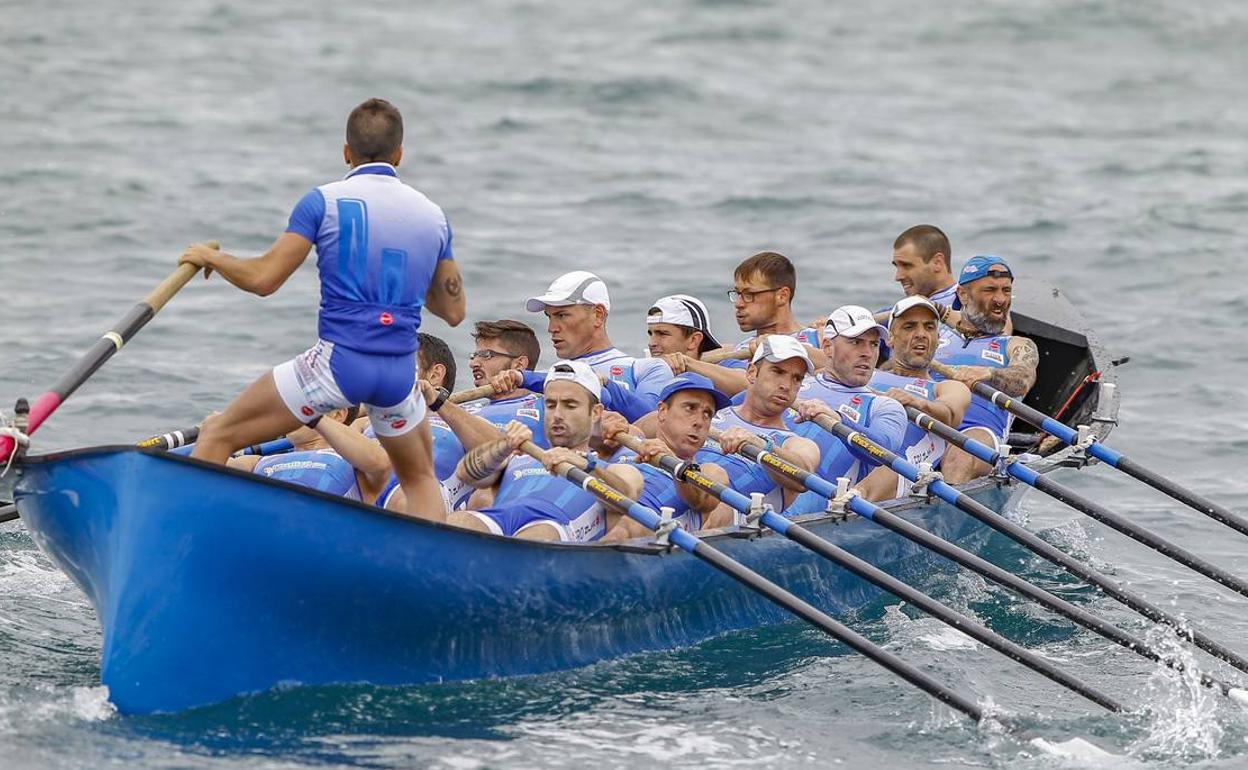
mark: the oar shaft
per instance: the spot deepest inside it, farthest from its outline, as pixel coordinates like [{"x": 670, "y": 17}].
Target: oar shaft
[
  {"x": 1080, "y": 503},
  {"x": 1037, "y": 545},
  {"x": 103, "y": 349},
  {"x": 882, "y": 517},
  {"x": 767, "y": 589},
  {"x": 172, "y": 440},
  {"x": 1114, "y": 459},
  {"x": 863, "y": 569},
  {"x": 8, "y": 513}
]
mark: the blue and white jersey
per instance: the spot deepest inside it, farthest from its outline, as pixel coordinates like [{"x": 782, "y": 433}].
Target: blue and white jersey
[
  {"x": 659, "y": 491},
  {"x": 378, "y": 242},
  {"x": 526, "y": 408},
  {"x": 992, "y": 352},
  {"x": 744, "y": 475},
  {"x": 807, "y": 336},
  {"x": 320, "y": 469},
  {"x": 637, "y": 381},
  {"x": 524, "y": 479},
  {"x": 945, "y": 296},
  {"x": 917, "y": 445}
]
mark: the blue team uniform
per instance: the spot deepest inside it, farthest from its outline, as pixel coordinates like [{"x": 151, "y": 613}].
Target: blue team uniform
[
  {"x": 378, "y": 242},
  {"x": 917, "y": 445},
  {"x": 633, "y": 384},
  {"x": 528, "y": 494},
  {"x": 744, "y": 475},
  {"x": 992, "y": 352},
  {"x": 808, "y": 336},
  {"x": 882, "y": 419},
  {"x": 321, "y": 469},
  {"x": 659, "y": 491}
]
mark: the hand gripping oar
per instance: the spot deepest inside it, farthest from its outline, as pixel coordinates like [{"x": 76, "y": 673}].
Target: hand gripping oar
[
  {"x": 688, "y": 473},
  {"x": 1031, "y": 477},
  {"x": 1032, "y": 542},
  {"x": 786, "y": 600},
  {"x": 877, "y": 515},
  {"x": 104, "y": 348},
  {"x": 1109, "y": 456}
]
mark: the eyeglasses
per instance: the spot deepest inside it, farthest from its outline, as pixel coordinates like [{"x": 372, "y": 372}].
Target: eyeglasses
[
  {"x": 487, "y": 354},
  {"x": 748, "y": 296}
]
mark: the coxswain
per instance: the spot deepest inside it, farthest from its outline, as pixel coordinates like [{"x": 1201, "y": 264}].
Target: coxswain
[
  {"x": 913, "y": 332},
  {"x": 529, "y": 501},
  {"x": 576, "y": 306},
  {"x": 979, "y": 350},
  {"x": 384, "y": 255}
]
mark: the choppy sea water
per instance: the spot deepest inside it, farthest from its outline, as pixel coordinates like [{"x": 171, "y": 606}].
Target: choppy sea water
[{"x": 1098, "y": 145}]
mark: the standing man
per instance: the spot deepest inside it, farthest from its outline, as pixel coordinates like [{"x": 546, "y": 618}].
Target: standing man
[
  {"x": 979, "y": 350},
  {"x": 913, "y": 333},
  {"x": 576, "y": 307},
  {"x": 383, "y": 255}
]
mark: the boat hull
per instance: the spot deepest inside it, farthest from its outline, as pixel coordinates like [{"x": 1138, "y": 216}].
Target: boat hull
[{"x": 210, "y": 583}]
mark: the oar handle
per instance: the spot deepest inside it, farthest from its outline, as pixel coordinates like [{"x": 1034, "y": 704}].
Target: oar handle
[
  {"x": 471, "y": 394},
  {"x": 171, "y": 440},
  {"x": 725, "y": 354},
  {"x": 104, "y": 348}
]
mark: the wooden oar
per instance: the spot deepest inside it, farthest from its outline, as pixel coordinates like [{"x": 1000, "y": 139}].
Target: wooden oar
[
  {"x": 879, "y": 516},
  {"x": 800, "y": 608},
  {"x": 1029, "y": 540},
  {"x": 104, "y": 349},
  {"x": 711, "y": 357},
  {"x": 1110, "y": 457},
  {"x": 680, "y": 471},
  {"x": 8, "y": 513}
]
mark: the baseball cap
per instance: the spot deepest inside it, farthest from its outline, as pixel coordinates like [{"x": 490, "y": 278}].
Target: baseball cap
[
  {"x": 687, "y": 311},
  {"x": 781, "y": 347},
  {"x": 693, "y": 381},
  {"x": 578, "y": 372},
  {"x": 980, "y": 266},
  {"x": 852, "y": 321},
  {"x": 578, "y": 287},
  {"x": 908, "y": 303}
]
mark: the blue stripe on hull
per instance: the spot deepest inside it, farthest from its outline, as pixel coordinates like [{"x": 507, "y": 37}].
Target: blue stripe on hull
[{"x": 246, "y": 583}]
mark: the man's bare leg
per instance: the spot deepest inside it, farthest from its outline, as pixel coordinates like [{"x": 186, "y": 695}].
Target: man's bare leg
[
  {"x": 959, "y": 467},
  {"x": 542, "y": 532},
  {"x": 257, "y": 414},
  {"x": 466, "y": 520},
  {"x": 412, "y": 456}
]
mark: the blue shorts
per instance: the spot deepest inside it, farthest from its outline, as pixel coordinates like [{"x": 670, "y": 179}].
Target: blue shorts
[
  {"x": 513, "y": 518},
  {"x": 328, "y": 377}
]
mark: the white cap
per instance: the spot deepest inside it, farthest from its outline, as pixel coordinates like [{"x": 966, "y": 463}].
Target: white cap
[
  {"x": 578, "y": 287},
  {"x": 578, "y": 372},
  {"x": 908, "y": 303},
  {"x": 781, "y": 347},
  {"x": 852, "y": 321},
  {"x": 687, "y": 311}
]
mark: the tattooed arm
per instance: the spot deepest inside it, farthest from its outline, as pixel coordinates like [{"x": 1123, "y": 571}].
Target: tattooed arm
[
  {"x": 445, "y": 297},
  {"x": 480, "y": 467},
  {"x": 1017, "y": 378}
]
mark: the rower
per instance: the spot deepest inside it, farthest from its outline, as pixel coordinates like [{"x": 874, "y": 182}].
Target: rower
[
  {"x": 980, "y": 351},
  {"x": 687, "y": 406},
  {"x": 312, "y": 461},
  {"x": 531, "y": 503},
  {"x": 679, "y": 325},
  {"x": 913, "y": 331},
  {"x": 576, "y": 307},
  {"x": 501, "y": 346},
  {"x": 923, "y": 263},
  {"x": 384, "y": 255},
  {"x": 851, "y": 343},
  {"x": 774, "y": 377}
]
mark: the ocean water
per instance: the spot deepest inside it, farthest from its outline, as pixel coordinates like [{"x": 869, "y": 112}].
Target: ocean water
[{"x": 1098, "y": 145}]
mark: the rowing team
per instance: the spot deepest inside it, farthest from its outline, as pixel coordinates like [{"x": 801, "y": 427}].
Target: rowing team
[
  {"x": 674, "y": 400},
  {"x": 384, "y": 256}
]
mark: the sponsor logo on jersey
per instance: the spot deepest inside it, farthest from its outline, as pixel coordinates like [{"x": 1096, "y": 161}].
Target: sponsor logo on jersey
[
  {"x": 989, "y": 355},
  {"x": 307, "y": 411},
  {"x": 386, "y": 319},
  {"x": 531, "y": 413},
  {"x": 398, "y": 424},
  {"x": 917, "y": 389},
  {"x": 617, "y": 371},
  {"x": 850, "y": 412}
]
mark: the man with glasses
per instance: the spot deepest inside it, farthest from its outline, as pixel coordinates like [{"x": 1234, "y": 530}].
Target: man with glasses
[{"x": 980, "y": 350}]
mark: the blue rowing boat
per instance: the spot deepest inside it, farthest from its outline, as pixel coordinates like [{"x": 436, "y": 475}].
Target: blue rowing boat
[{"x": 248, "y": 583}]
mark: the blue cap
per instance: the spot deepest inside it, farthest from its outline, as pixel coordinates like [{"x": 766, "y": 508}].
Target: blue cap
[
  {"x": 692, "y": 381},
  {"x": 979, "y": 266}
]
